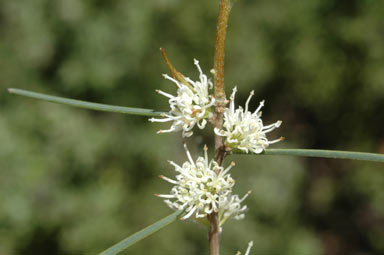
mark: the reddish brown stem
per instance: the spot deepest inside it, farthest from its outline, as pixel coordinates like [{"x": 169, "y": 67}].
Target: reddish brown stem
[
  {"x": 214, "y": 234},
  {"x": 218, "y": 65},
  {"x": 222, "y": 21},
  {"x": 175, "y": 74}
]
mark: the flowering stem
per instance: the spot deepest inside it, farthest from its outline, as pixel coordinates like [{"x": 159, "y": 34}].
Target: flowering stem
[{"x": 222, "y": 21}]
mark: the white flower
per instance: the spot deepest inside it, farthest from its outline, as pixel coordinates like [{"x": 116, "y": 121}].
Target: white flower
[
  {"x": 191, "y": 106},
  {"x": 231, "y": 208},
  {"x": 202, "y": 188},
  {"x": 245, "y": 130}
]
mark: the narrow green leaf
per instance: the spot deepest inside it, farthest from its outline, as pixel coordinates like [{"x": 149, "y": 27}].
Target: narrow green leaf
[
  {"x": 324, "y": 154},
  {"x": 129, "y": 241},
  {"x": 86, "y": 105}
]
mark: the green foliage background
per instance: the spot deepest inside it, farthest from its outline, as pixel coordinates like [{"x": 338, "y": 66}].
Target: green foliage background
[{"x": 74, "y": 181}]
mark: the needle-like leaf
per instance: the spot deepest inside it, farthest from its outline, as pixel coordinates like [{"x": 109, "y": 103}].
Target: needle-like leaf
[
  {"x": 85, "y": 104},
  {"x": 324, "y": 154},
  {"x": 129, "y": 241}
]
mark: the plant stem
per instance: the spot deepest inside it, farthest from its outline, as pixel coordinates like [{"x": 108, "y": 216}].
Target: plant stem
[
  {"x": 214, "y": 234},
  {"x": 218, "y": 66}
]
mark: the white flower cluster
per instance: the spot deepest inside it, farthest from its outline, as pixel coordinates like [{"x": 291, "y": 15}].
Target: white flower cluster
[
  {"x": 202, "y": 188},
  {"x": 191, "y": 106},
  {"x": 245, "y": 130}
]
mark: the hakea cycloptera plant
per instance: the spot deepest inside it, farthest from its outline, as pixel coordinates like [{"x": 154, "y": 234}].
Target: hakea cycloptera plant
[{"x": 203, "y": 188}]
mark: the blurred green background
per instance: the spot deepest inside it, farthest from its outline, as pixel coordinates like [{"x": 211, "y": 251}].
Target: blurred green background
[{"x": 74, "y": 181}]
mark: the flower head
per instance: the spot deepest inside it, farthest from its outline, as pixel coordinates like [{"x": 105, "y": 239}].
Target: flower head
[
  {"x": 191, "y": 106},
  {"x": 202, "y": 188},
  {"x": 245, "y": 130}
]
